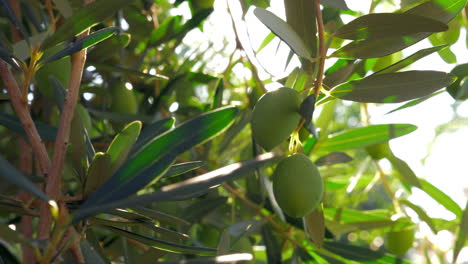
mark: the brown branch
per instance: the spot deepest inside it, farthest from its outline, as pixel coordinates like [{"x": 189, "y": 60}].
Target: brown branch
[
  {"x": 322, "y": 49},
  {"x": 22, "y": 110}
]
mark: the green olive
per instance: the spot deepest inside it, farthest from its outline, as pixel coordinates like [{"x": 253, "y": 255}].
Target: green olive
[
  {"x": 275, "y": 116},
  {"x": 297, "y": 185},
  {"x": 60, "y": 69},
  {"x": 379, "y": 151},
  {"x": 399, "y": 241},
  {"x": 123, "y": 102}
]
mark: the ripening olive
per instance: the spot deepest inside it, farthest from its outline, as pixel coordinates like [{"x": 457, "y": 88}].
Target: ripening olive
[
  {"x": 297, "y": 185},
  {"x": 275, "y": 116},
  {"x": 399, "y": 241},
  {"x": 379, "y": 151}
]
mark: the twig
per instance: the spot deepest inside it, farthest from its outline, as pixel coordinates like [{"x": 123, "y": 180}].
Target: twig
[
  {"x": 22, "y": 110},
  {"x": 322, "y": 49}
]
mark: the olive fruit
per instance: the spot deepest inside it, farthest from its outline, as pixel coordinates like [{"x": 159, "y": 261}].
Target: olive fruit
[
  {"x": 297, "y": 185},
  {"x": 379, "y": 151},
  {"x": 275, "y": 116},
  {"x": 123, "y": 102},
  {"x": 399, "y": 241}
]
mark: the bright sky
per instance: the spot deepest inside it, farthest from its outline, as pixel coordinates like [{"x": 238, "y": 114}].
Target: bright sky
[{"x": 445, "y": 166}]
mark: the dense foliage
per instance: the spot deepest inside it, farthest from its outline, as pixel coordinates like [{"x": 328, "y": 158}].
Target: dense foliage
[{"x": 131, "y": 133}]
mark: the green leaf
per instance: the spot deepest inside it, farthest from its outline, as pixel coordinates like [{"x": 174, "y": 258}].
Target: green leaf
[
  {"x": 84, "y": 18},
  {"x": 90, "y": 254},
  {"x": 345, "y": 215},
  {"x": 153, "y": 160},
  {"x": 393, "y": 87},
  {"x": 455, "y": 89},
  {"x": 137, "y": 73},
  {"x": 333, "y": 158},
  {"x": 46, "y": 132},
  {"x": 161, "y": 244},
  {"x": 192, "y": 185},
  {"x": 182, "y": 168},
  {"x": 314, "y": 224},
  {"x": 198, "y": 210},
  {"x": 122, "y": 144},
  {"x": 101, "y": 52},
  {"x": 160, "y": 216},
  {"x": 364, "y": 136},
  {"x": 462, "y": 234},
  {"x": 405, "y": 171},
  {"x": 12, "y": 175},
  {"x": 266, "y": 41},
  {"x": 12, "y": 236},
  {"x": 380, "y": 25},
  {"x": 98, "y": 173},
  {"x": 151, "y": 131},
  {"x": 12, "y": 17},
  {"x": 167, "y": 233},
  {"x": 440, "y": 197},
  {"x": 361, "y": 254},
  {"x": 284, "y": 31},
  {"x": 340, "y": 4},
  {"x": 414, "y": 102},
  {"x": 9, "y": 58},
  {"x": 421, "y": 214},
  {"x": 83, "y": 43},
  {"x": 410, "y": 59},
  {"x": 273, "y": 249},
  {"x": 443, "y": 11},
  {"x": 172, "y": 28}
]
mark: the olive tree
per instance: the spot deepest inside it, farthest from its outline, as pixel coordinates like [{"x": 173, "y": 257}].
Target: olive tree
[{"x": 123, "y": 142}]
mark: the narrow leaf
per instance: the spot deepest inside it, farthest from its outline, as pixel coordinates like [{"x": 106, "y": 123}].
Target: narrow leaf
[
  {"x": 12, "y": 175},
  {"x": 333, "y": 158},
  {"x": 284, "y": 31},
  {"x": 151, "y": 131},
  {"x": 266, "y": 41},
  {"x": 9, "y": 58},
  {"x": 98, "y": 173},
  {"x": 410, "y": 59},
  {"x": 160, "y": 216},
  {"x": 161, "y": 244},
  {"x": 83, "y": 43},
  {"x": 405, "y": 171},
  {"x": 156, "y": 157},
  {"x": 364, "y": 136},
  {"x": 379, "y": 25},
  {"x": 137, "y": 73},
  {"x": 414, "y": 102},
  {"x": 13, "y": 19},
  {"x": 182, "y": 168},
  {"x": 167, "y": 233},
  {"x": 272, "y": 247},
  {"x": 90, "y": 254},
  {"x": 361, "y": 254},
  {"x": 456, "y": 89},
  {"x": 122, "y": 144},
  {"x": 393, "y": 87},
  {"x": 84, "y": 18},
  {"x": 440, "y": 197},
  {"x": 314, "y": 224},
  {"x": 421, "y": 214},
  {"x": 443, "y": 11},
  {"x": 192, "y": 185},
  {"x": 462, "y": 234}
]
